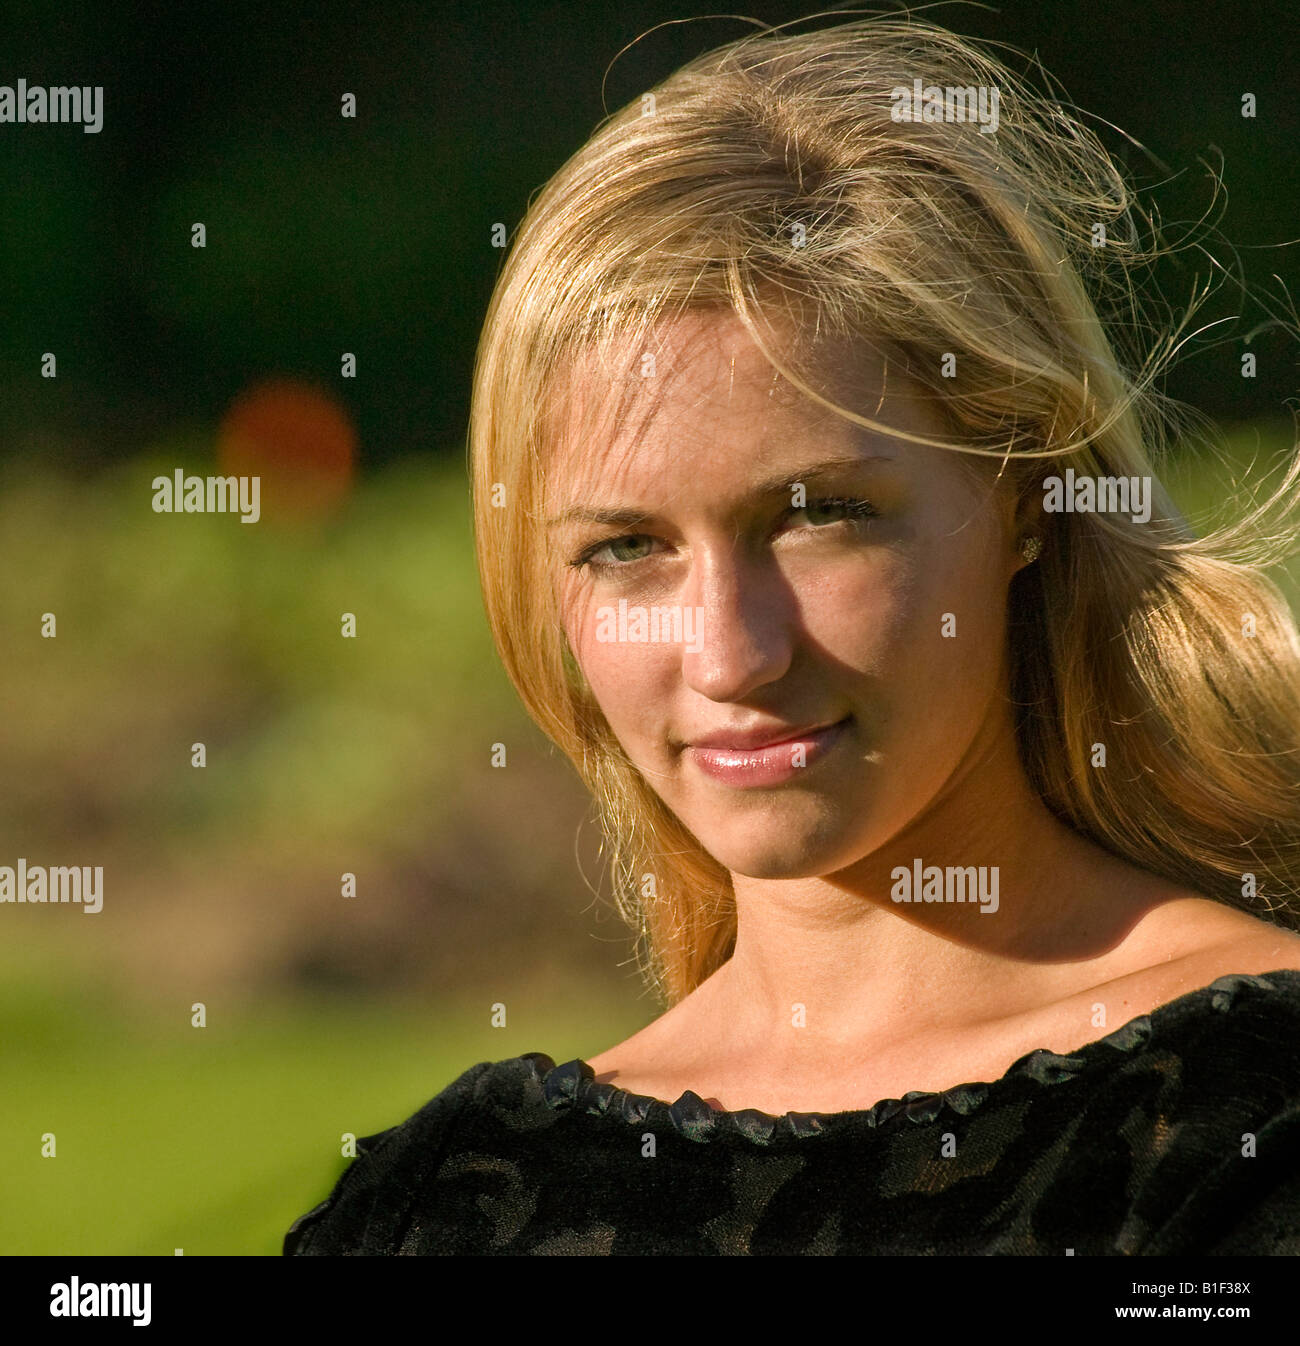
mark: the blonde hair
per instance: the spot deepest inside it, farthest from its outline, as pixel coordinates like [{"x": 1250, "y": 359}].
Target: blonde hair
[{"x": 771, "y": 177}]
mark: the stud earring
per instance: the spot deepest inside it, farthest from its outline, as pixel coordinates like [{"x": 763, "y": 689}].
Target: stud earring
[{"x": 1031, "y": 547}]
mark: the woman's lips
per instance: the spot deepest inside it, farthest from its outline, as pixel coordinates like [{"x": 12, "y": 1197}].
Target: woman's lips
[{"x": 768, "y": 765}]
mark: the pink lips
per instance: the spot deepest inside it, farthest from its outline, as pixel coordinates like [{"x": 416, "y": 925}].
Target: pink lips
[{"x": 746, "y": 760}]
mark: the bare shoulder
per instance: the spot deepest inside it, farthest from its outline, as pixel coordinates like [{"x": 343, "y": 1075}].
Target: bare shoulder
[
  {"x": 1202, "y": 940},
  {"x": 1222, "y": 940},
  {"x": 1254, "y": 947},
  {"x": 1183, "y": 945},
  {"x": 641, "y": 1054},
  {"x": 658, "y": 1047},
  {"x": 610, "y": 1062}
]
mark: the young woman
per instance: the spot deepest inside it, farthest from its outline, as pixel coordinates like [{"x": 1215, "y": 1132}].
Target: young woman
[{"x": 951, "y": 783}]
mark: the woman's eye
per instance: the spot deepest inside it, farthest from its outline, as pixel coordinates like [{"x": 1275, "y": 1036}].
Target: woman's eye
[
  {"x": 835, "y": 510},
  {"x": 623, "y": 550},
  {"x": 616, "y": 552}
]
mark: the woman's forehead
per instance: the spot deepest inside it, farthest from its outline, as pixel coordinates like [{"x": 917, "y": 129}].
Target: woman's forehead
[{"x": 696, "y": 370}]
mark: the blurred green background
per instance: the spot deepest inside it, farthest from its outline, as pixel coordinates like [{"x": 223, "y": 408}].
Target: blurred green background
[{"x": 325, "y": 755}]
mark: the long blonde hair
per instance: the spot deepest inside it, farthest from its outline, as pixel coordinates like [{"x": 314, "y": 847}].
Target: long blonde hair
[{"x": 773, "y": 176}]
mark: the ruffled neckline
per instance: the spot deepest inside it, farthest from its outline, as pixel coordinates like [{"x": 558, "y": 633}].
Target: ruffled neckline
[{"x": 573, "y": 1084}]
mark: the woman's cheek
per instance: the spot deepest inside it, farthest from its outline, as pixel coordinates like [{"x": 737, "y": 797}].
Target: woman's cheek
[
  {"x": 632, "y": 683},
  {"x": 867, "y": 621}
]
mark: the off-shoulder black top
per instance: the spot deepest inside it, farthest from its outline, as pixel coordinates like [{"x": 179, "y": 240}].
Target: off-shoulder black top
[{"x": 1177, "y": 1133}]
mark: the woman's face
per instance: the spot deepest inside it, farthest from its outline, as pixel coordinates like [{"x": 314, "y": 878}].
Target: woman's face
[{"x": 714, "y": 606}]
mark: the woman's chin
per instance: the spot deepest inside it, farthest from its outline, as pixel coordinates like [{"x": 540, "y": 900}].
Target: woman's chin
[{"x": 782, "y": 855}]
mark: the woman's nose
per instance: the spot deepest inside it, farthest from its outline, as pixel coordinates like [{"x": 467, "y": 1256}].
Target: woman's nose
[{"x": 746, "y": 619}]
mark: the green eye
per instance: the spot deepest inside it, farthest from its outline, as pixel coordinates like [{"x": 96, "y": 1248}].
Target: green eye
[
  {"x": 618, "y": 552},
  {"x": 836, "y": 510},
  {"x": 623, "y": 550},
  {"x": 625, "y": 543}
]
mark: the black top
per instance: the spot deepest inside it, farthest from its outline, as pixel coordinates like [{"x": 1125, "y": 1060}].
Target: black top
[{"x": 1177, "y": 1133}]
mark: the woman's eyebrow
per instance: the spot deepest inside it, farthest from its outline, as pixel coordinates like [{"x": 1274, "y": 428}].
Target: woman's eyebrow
[
  {"x": 585, "y": 514},
  {"x": 824, "y": 467},
  {"x": 781, "y": 484}
]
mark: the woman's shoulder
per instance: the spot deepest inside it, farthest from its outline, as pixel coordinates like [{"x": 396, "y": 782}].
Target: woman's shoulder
[
  {"x": 1194, "y": 943},
  {"x": 1179, "y": 939},
  {"x": 523, "y": 1155},
  {"x": 1256, "y": 973},
  {"x": 1233, "y": 944},
  {"x": 367, "y": 1208}
]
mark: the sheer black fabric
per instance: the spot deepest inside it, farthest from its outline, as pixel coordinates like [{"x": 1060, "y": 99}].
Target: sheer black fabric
[{"x": 1177, "y": 1133}]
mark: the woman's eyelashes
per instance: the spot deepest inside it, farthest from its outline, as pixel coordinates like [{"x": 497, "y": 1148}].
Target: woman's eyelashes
[
  {"x": 821, "y": 514},
  {"x": 586, "y": 559},
  {"x": 852, "y": 509}
]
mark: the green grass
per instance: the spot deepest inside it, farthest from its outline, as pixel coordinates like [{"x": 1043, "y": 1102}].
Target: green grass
[{"x": 214, "y": 1140}]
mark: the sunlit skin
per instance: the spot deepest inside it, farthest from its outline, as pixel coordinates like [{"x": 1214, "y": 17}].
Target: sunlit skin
[{"x": 836, "y": 613}]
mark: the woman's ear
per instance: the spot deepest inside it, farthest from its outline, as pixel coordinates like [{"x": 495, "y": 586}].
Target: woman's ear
[{"x": 1029, "y": 523}]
